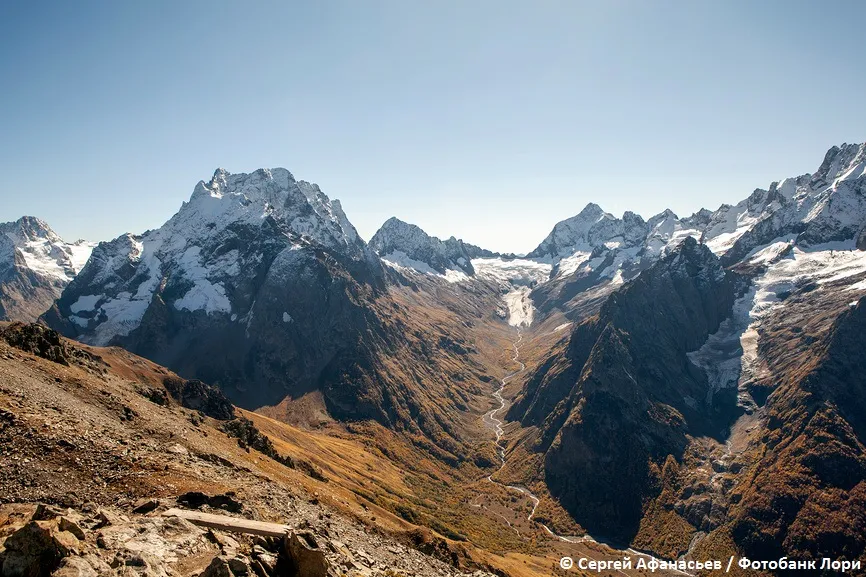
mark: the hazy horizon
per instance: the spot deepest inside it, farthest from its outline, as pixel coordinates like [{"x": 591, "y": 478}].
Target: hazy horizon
[{"x": 487, "y": 121}]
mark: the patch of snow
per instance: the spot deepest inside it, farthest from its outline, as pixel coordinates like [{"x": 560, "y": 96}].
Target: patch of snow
[
  {"x": 452, "y": 275},
  {"x": 399, "y": 260},
  {"x": 287, "y": 318},
  {"x": 81, "y": 251},
  {"x": 520, "y": 308},
  {"x": 570, "y": 264},
  {"x": 731, "y": 222},
  {"x": 205, "y": 296},
  {"x": 47, "y": 259},
  {"x": 728, "y": 355},
  {"x": 85, "y": 303},
  {"x": 562, "y": 327},
  {"x": 772, "y": 251},
  {"x": 122, "y": 316}
]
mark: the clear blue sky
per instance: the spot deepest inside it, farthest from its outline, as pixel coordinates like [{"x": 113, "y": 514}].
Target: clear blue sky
[{"x": 488, "y": 120}]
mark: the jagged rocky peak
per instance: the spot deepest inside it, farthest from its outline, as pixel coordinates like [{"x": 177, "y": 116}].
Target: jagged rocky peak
[
  {"x": 29, "y": 229},
  {"x": 406, "y": 245},
  {"x": 698, "y": 220},
  {"x": 666, "y": 216},
  {"x": 591, "y": 228},
  {"x": 839, "y": 162},
  {"x": 827, "y": 206},
  {"x": 33, "y": 245},
  {"x": 306, "y": 211},
  {"x": 35, "y": 265},
  {"x": 237, "y": 233}
]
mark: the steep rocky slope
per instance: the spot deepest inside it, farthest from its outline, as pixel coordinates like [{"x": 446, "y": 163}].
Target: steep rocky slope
[
  {"x": 98, "y": 439},
  {"x": 802, "y": 488},
  {"x": 35, "y": 265},
  {"x": 625, "y": 395}
]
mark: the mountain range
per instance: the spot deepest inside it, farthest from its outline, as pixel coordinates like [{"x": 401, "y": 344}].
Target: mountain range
[{"x": 690, "y": 386}]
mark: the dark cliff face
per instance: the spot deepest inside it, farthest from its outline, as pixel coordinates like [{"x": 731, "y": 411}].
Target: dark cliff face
[{"x": 626, "y": 394}]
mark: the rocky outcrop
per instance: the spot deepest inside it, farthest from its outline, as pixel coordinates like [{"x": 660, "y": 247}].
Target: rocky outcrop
[
  {"x": 46, "y": 343},
  {"x": 303, "y": 557},
  {"x": 199, "y": 396},
  {"x": 36, "y": 549}
]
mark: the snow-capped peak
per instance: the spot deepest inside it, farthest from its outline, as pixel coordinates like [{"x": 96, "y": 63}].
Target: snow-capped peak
[
  {"x": 840, "y": 163},
  {"x": 405, "y": 245},
  {"x": 33, "y": 244},
  {"x": 827, "y": 206},
  {"x": 231, "y": 198},
  {"x": 201, "y": 259},
  {"x": 589, "y": 229}
]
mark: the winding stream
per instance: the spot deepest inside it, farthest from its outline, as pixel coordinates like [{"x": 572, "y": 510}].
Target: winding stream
[{"x": 495, "y": 425}]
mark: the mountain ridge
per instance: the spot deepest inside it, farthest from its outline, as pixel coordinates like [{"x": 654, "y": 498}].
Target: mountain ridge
[{"x": 408, "y": 245}]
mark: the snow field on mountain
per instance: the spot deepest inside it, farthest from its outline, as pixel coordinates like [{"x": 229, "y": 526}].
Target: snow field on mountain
[
  {"x": 520, "y": 308},
  {"x": 398, "y": 260},
  {"x": 205, "y": 295},
  {"x": 729, "y": 355},
  {"x": 516, "y": 271},
  {"x": 54, "y": 258}
]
